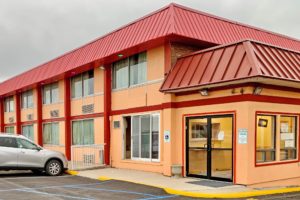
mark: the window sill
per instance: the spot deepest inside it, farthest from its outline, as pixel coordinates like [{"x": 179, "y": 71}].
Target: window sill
[
  {"x": 154, "y": 163},
  {"x": 52, "y": 104},
  {"x": 85, "y": 97},
  {"x": 138, "y": 85},
  {"x": 276, "y": 163}
]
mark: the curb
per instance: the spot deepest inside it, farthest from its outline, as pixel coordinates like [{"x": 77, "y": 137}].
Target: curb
[
  {"x": 72, "y": 172},
  {"x": 246, "y": 194}
]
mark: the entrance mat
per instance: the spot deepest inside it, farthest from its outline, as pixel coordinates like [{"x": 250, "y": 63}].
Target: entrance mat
[{"x": 211, "y": 183}]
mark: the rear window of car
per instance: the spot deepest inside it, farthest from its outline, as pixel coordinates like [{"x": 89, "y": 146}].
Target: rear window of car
[{"x": 8, "y": 142}]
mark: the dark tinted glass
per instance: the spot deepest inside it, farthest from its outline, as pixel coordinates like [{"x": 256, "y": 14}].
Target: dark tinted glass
[{"x": 8, "y": 142}]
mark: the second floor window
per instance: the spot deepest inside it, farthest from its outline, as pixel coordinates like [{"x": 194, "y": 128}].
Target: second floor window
[
  {"x": 50, "y": 93},
  {"x": 9, "y": 104},
  {"x": 83, "y": 84},
  {"x": 130, "y": 71},
  {"x": 27, "y": 99}
]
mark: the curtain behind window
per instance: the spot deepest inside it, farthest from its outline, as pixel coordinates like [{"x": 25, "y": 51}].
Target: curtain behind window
[{"x": 28, "y": 132}]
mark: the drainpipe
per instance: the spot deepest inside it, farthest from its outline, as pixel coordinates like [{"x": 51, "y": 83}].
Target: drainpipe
[
  {"x": 67, "y": 97},
  {"x": 107, "y": 112}
]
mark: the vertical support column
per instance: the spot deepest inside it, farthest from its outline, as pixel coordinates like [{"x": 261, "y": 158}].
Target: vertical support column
[
  {"x": 107, "y": 112},
  {"x": 18, "y": 113},
  {"x": 2, "y": 115},
  {"x": 39, "y": 115},
  {"x": 67, "y": 100}
]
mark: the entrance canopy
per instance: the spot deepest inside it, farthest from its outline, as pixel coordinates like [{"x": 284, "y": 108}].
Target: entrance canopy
[{"x": 241, "y": 62}]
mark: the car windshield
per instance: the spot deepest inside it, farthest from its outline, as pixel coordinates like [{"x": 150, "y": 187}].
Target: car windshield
[{"x": 25, "y": 144}]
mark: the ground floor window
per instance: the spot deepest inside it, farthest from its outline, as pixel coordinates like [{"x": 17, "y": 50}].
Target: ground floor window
[
  {"x": 51, "y": 133},
  {"x": 28, "y": 132},
  {"x": 142, "y": 137},
  {"x": 83, "y": 132},
  {"x": 10, "y": 129},
  {"x": 272, "y": 128}
]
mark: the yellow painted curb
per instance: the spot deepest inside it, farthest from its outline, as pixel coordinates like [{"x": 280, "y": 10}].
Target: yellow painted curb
[
  {"x": 211, "y": 195},
  {"x": 104, "y": 178},
  {"x": 71, "y": 172}
]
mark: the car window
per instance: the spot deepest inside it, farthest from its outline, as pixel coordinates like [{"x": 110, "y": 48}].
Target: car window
[
  {"x": 25, "y": 144},
  {"x": 8, "y": 142}
]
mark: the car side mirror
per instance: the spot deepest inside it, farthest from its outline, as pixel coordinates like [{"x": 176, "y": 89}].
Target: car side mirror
[{"x": 38, "y": 148}]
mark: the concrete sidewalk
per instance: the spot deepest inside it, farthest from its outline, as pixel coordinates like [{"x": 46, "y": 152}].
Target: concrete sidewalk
[{"x": 181, "y": 186}]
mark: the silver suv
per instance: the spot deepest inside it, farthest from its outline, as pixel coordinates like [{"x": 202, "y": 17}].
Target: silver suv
[{"x": 17, "y": 152}]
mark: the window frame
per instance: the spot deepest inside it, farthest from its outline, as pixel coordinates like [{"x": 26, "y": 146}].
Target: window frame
[
  {"x": 26, "y": 126},
  {"x": 277, "y": 115},
  {"x": 129, "y": 67},
  {"x": 82, "y": 84},
  {"x": 10, "y": 127},
  {"x": 26, "y": 95},
  {"x": 52, "y": 87},
  {"x": 81, "y": 121},
  {"x": 150, "y": 159},
  {"x": 51, "y": 123},
  {"x": 8, "y": 108}
]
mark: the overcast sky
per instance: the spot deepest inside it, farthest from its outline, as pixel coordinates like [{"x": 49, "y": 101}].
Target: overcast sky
[{"x": 35, "y": 31}]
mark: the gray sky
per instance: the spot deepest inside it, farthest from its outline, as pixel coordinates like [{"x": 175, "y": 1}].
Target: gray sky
[{"x": 35, "y": 31}]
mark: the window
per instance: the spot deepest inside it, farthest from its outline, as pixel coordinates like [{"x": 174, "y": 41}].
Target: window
[
  {"x": 272, "y": 128},
  {"x": 50, "y": 93},
  {"x": 288, "y": 138},
  {"x": 83, "y": 132},
  {"x": 10, "y": 129},
  {"x": 8, "y": 142},
  {"x": 51, "y": 133},
  {"x": 27, "y": 99},
  {"x": 9, "y": 104},
  {"x": 25, "y": 144},
  {"x": 145, "y": 137},
  {"x": 130, "y": 71},
  {"x": 83, "y": 84},
  {"x": 265, "y": 138},
  {"x": 27, "y": 131}
]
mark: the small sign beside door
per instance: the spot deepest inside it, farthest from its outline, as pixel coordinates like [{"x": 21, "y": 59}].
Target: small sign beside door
[
  {"x": 243, "y": 136},
  {"x": 167, "y": 136}
]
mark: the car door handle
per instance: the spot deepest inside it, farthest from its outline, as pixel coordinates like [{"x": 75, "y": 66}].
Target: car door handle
[{"x": 23, "y": 152}]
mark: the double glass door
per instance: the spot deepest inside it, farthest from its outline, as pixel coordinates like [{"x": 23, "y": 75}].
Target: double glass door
[{"x": 209, "y": 147}]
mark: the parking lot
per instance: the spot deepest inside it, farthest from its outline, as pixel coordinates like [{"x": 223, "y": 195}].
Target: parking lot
[
  {"x": 33, "y": 187},
  {"x": 27, "y": 186}
]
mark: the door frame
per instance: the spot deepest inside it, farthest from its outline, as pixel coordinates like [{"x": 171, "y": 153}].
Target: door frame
[{"x": 209, "y": 156}]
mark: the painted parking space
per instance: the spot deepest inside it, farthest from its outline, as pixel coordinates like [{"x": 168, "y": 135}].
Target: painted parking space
[{"x": 29, "y": 186}]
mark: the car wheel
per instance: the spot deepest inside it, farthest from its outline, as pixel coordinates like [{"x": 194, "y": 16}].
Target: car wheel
[{"x": 54, "y": 168}]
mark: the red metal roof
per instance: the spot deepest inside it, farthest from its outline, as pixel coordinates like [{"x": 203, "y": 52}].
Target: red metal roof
[
  {"x": 170, "y": 20},
  {"x": 242, "y": 60}
]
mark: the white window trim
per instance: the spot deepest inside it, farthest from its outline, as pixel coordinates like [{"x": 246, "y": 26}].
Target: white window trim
[{"x": 159, "y": 135}]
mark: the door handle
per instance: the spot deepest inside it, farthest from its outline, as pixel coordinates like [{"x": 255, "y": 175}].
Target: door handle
[{"x": 23, "y": 152}]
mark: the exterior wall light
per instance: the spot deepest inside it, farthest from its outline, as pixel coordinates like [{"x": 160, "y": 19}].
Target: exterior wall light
[
  {"x": 102, "y": 67},
  {"x": 120, "y": 55},
  {"x": 257, "y": 90},
  {"x": 204, "y": 92}
]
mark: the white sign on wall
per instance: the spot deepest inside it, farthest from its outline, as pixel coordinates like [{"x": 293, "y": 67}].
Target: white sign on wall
[
  {"x": 167, "y": 136},
  {"x": 243, "y": 136}
]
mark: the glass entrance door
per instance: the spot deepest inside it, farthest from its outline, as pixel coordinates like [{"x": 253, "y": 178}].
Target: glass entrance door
[{"x": 209, "y": 147}]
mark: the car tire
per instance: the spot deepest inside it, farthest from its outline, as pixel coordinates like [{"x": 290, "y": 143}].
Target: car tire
[{"x": 54, "y": 168}]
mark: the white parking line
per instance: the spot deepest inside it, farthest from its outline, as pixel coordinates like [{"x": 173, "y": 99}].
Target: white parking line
[
  {"x": 58, "y": 195},
  {"x": 54, "y": 186}
]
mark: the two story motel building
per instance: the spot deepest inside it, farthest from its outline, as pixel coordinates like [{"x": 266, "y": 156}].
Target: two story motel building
[{"x": 175, "y": 87}]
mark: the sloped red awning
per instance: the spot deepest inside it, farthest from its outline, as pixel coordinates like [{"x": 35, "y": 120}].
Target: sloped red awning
[{"x": 232, "y": 62}]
